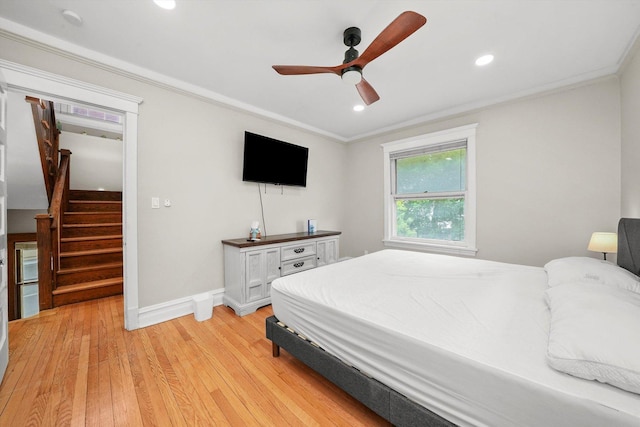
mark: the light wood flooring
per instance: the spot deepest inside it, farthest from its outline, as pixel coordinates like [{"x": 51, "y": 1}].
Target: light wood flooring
[{"x": 76, "y": 365}]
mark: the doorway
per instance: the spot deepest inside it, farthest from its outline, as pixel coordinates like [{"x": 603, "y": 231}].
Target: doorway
[{"x": 60, "y": 89}]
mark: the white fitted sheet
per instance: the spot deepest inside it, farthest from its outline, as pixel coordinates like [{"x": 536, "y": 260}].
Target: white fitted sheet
[{"x": 465, "y": 338}]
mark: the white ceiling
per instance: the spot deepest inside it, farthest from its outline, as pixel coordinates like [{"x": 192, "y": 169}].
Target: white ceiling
[{"x": 224, "y": 49}]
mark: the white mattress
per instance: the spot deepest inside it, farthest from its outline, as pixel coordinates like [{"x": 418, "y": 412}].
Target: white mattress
[{"x": 465, "y": 338}]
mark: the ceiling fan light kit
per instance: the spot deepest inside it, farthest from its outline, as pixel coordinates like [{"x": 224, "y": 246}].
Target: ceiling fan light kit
[
  {"x": 352, "y": 76},
  {"x": 351, "y": 69}
]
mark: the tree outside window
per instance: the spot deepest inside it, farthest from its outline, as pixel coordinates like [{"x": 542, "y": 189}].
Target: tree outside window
[{"x": 431, "y": 194}]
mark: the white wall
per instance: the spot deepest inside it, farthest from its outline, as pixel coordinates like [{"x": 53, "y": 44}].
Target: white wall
[
  {"x": 190, "y": 151},
  {"x": 548, "y": 175},
  {"x": 22, "y": 220},
  {"x": 25, "y": 181},
  {"x": 95, "y": 162},
  {"x": 630, "y": 88}
]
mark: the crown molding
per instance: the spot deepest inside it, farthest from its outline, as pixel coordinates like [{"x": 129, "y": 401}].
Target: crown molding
[
  {"x": 31, "y": 37},
  {"x": 29, "y": 72}
]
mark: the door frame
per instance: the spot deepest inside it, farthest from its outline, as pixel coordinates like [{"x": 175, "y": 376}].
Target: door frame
[
  {"x": 4, "y": 282},
  {"x": 63, "y": 89}
]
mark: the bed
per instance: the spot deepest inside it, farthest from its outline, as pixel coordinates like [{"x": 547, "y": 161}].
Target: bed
[{"x": 427, "y": 339}]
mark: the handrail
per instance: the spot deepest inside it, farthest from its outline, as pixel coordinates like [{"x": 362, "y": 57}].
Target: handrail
[
  {"x": 47, "y": 134},
  {"x": 59, "y": 205},
  {"x": 56, "y": 181},
  {"x": 60, "y": 196},
  {"x": 49, "y": 232}
]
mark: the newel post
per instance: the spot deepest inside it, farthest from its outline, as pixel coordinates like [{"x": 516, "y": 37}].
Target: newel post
[{"x": 45, "y": 253}]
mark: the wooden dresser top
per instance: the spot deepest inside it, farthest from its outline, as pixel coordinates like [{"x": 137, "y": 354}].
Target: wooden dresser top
[{"x": 279, "y": 238}]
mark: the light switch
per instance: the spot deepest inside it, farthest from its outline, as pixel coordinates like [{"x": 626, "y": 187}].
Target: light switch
[{"x": 155, "y": 203}]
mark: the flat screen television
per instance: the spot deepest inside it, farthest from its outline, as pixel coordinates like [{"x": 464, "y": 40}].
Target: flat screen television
[{"x": 268, "y": 160}]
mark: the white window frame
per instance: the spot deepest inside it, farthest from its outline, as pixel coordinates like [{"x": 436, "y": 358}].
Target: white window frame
[{"x": 468, "y": 245}]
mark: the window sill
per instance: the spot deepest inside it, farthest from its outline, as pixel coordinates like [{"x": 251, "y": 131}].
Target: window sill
[{"x": 430, "y": 247}]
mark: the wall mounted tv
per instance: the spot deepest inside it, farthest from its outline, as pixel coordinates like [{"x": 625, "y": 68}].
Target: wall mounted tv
[{"x": 267, "y": 160}]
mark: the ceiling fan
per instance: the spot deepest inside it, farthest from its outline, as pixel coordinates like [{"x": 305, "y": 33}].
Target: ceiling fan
[{"x": 351, "y": 69}]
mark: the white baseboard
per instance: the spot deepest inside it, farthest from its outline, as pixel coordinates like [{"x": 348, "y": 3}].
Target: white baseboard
[{"x": 159, "y": 313}]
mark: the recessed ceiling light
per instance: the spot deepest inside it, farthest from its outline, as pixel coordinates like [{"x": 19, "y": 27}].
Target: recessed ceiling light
[
  {"x": 484, "y": 60},
  {"x": 166, "y": 4},
  {"x": 72, "y": 17},
  {"x": 358, "y": 107}
]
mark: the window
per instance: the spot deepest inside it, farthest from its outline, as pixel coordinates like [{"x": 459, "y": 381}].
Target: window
[{"x": 430, "y": 192}]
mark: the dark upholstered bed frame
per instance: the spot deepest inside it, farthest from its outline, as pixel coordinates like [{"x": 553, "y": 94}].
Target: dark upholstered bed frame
[
  {"x": 629, "y": 244},
  {"x": 383, "y": 400}
]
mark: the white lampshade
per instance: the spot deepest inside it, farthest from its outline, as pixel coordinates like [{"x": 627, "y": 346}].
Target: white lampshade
[
  {"x": 603, "y": 242},
  {"x": 352, "y": 77}
]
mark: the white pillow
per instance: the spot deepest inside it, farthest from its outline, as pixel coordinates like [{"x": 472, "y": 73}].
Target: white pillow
[
  {"x": 590, "y": 270},
  {"x": 595, "y": 333}
]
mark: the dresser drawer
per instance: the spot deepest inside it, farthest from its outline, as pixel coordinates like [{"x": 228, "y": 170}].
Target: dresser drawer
[
  {"x": 298, "y": 251},
  {"x": 298, "y": 265}
]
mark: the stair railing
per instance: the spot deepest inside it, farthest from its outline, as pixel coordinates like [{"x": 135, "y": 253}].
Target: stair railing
[
  {"x": 55, "y": 170},
  {"x": 49, "y": 232},
  {"x": 47, "y": 134}
]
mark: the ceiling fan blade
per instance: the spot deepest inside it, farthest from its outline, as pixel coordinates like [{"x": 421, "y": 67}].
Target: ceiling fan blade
[
  {"x": 400, "y": 28},
  {"x": 367, "y": 92},
  {"x": 288, "y": 70}
]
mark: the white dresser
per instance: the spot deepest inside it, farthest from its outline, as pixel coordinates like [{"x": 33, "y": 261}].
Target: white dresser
[{"x": 250, "y": 267}]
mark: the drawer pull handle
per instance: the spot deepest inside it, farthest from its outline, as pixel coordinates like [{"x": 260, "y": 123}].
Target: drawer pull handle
[
  {"x": 298, "y": 250},
  {"x": 298, "y": 264}
]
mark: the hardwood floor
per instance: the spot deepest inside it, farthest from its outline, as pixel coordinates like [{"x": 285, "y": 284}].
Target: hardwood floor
[{"x": 76, "y": 365}]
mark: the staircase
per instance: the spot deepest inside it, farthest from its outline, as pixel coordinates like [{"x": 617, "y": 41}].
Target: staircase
[
  {"x": 90, "y": 251},
  {"x": 80, "y": 236}
]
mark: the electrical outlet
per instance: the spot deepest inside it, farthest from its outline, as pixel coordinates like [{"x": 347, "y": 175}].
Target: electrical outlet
[{"x": 167, "y": 203}]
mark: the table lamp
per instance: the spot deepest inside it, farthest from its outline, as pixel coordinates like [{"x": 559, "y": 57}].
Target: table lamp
[{"x": 603, "y": 242}]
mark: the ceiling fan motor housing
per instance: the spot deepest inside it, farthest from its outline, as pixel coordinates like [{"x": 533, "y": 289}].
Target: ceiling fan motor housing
[
  {"x": 350, "y": 55},
  {"x": 352, "y": 36}
]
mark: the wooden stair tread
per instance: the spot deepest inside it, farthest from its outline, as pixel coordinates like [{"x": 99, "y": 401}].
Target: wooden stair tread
[
  {"x": 90, "y": 262},
  {"x": 88, "y": 285},
  {"x": 91, "y": 252},
  {"x": 95, "y": 195},
  {"x": 90, "y": 213},
  {"x": 99, "y": 224},
  {"x": 88, "y": 238},
  {"x": 101, "y": 202},
  {"x": 89, "y": 268},
  {"x": 86, "y": 206}
]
